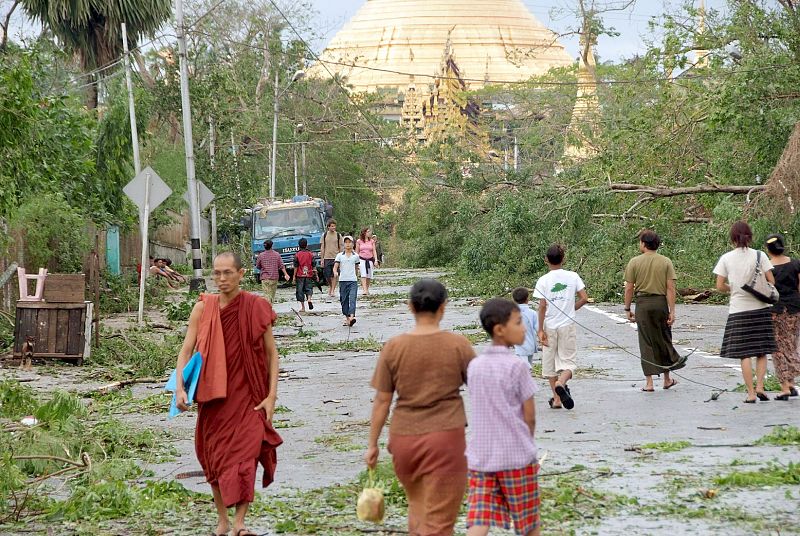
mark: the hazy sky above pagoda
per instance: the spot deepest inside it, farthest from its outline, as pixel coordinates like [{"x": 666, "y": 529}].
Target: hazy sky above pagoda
[{"x": 632, "y": 24}]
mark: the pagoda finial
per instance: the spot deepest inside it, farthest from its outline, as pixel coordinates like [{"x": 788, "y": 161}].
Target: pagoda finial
[{"x": 701, "y": 54}]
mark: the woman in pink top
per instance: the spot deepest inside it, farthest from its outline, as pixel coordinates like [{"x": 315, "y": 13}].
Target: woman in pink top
[{"x": 365, "y": 249}]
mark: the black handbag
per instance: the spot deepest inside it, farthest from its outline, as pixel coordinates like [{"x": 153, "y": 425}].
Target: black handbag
[{"x": 760, "y": 287}]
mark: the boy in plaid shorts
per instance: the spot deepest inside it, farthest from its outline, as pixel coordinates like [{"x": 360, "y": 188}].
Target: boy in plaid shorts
[{"x": 501, "y": 454}]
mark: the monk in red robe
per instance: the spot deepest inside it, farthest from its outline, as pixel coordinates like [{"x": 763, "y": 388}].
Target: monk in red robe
[{"x": 236, "y": 392}]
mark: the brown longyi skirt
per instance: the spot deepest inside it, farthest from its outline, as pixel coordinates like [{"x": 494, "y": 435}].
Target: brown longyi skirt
[{"x": 433, "y": 470}]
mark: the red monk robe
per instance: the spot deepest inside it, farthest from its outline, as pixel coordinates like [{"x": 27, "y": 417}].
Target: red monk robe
[{"x": 231, "y": 437}]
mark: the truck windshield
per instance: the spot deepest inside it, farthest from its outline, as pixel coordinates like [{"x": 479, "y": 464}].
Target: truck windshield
[{"x": 302, "y": 220}]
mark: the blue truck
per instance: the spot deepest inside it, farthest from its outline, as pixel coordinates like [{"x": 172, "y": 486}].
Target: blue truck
[{"x": 285, "y": 222}]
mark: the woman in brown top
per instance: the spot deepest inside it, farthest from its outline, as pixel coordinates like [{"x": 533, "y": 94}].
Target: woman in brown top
[{"x": 426, "y": 367}]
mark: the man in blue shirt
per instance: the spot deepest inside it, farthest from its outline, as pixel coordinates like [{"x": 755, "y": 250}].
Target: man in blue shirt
[{"x": 527, "y": 349}]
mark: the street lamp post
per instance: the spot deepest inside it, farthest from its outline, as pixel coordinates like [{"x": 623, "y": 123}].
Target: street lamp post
[{"x": 298, "y": 75}]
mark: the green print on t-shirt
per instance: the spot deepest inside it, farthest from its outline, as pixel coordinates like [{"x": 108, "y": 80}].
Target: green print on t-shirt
[{"x": 558, "y": 287}]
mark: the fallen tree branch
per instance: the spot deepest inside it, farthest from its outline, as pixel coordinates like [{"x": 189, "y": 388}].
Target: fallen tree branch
[
  {"x": 655, "y": 191},
  {"x": 116, "y": 386}
]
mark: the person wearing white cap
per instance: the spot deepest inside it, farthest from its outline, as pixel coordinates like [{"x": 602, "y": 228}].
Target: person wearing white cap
[{"x": 345, "y": 269}]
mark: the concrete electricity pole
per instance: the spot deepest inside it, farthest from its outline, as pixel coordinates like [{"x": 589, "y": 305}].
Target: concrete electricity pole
[{"x": 198, "y": 282}]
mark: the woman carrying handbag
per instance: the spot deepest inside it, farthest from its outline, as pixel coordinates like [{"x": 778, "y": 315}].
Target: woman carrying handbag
[{"x": 748, "y": 331}]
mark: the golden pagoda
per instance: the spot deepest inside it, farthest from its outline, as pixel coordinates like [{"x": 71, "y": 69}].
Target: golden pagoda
[{"x": 395, "y": 47}]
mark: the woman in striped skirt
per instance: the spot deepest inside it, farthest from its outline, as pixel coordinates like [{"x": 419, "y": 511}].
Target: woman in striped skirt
[{"x": 748, "y": 332}]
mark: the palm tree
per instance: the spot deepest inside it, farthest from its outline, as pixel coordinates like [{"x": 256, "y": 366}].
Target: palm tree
[{"x": 91, "y": 29}]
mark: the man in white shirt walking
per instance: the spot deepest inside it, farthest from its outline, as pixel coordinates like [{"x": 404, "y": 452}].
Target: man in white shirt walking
[{"x": 556, "y": 292}]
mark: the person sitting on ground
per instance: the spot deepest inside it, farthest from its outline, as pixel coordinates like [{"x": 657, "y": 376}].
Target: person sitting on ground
[
  {"x": 556, "y": 292},
  {"x": 345, "y": 270},
  {"x": 157, "y": 270},
  {"x": 749, "y": 330},
  {"x": 167, "y": 265},
  {"x": 304, "y": 275},
  {"x": 426, "y": 367},
  {"x": 527, "y": 349},
  {"x": 503, "y": 475},
  {"x": 270, "y": 264},
  {"x": 785, "y": 316},
  {"x": 651, "y": 278}
]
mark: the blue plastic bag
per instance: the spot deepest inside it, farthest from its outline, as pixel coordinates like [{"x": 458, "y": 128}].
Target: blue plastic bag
[{"x": 191, "y": 377}]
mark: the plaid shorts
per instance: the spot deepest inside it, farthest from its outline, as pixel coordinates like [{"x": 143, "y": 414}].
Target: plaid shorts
[{"x": 496, "y": 498}]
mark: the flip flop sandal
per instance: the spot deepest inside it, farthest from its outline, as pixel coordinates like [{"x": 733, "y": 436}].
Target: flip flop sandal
[
  {"x": 551, "y": 404},
  {"x": 352, "y": 322},
  {"x": 566, "y": 398},
  {"x": 762, "y": 397},
  {"x": 792, "y": 392},
  {"x": 784, "y": 397},
  {"x": 644, "y": 389},
  {"x": 750, "y": 401},
  {"x": 310, "y": 306},
  {"x": 671, "y": 385}
]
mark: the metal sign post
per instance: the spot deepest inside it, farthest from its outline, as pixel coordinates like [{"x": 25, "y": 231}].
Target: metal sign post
[
  {"x": 145, "y": 217},
  {"x": 147, "y": 191}
]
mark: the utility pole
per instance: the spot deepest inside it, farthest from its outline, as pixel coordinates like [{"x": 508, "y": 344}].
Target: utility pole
[
  {"x": 212, "y": 140},
  {"x": 303, "y": 160},
  {"x": 198, "y": 282},
  {"x": 274, "y": 138},
  {"x": 144, "y": 216},
  {"x": 296, "y": 189},
  {"x": 137, "y": 164},
  {"x": 516, "y": 154}
]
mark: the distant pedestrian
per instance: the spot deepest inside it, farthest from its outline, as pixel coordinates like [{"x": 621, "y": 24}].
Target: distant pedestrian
[
  {"x": 304, "y": 276},
  {"x": 330, "y": 246},
  {"x": 749, "y": 330},
  {"x": 426, "y": 367},
  {"x": 270, "y": 264},
  {"x": 379, "y": 259},
  {"x": 530, "y": 321},
  {"x": 365, "y": 249},
  {"x": 345, "y": 270},
  {"x": 501, "y": 455},
  {"x": 556, "y": 292},
  {"x": 785, "y": 316},
  {"x": 651, "y": 278}
]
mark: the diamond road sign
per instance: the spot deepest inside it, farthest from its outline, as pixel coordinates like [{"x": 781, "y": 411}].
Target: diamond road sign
[
  {"x": 204, "y": 195},
  {"x": 159, "y": 191}
]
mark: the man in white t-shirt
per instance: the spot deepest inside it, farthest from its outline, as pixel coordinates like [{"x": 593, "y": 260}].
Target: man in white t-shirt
[{"x": 556, "y": 292}]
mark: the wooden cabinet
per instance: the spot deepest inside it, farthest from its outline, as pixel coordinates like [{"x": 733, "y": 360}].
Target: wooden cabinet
[{"x": 59, "y": 330}]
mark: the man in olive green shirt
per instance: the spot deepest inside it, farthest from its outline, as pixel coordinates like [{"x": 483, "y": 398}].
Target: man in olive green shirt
[{"x": 651, "y": 277}]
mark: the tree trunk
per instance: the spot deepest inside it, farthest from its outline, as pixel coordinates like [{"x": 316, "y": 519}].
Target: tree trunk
[{"x": 91, "y": 95}]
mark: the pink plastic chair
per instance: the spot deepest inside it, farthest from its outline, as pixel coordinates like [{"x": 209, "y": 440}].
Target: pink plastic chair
[{"x": 23, "y": 284}]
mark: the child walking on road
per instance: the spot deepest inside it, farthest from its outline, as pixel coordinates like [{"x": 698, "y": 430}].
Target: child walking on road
[
  {"x": 501, "y": 455},
  {"x": 527, "y": 349},
  {"x": 556, "y": 292},
  {"x": 304, "y": 275},
  {"x": 345, "y": 270}
]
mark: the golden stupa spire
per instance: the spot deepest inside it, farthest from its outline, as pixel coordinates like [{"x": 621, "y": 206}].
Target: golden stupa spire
[
  {"x": 701, "y": 54},
  {"x": 587, "y": 106}
]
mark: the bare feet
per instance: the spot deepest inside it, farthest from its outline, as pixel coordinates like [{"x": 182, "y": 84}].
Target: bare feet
[{"x": 673, "y": 383}]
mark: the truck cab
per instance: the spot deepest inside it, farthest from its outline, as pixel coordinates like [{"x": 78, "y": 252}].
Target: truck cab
[{"x": 285, "y": 222}]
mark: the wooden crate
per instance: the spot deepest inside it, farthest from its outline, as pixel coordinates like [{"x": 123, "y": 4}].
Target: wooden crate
[
  {"x": 65, "y": 288},
  {"x": 59, "y": 330}
]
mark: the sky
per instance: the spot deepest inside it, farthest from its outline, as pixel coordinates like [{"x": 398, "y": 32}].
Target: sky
[{"x": 331, "y": 15}]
